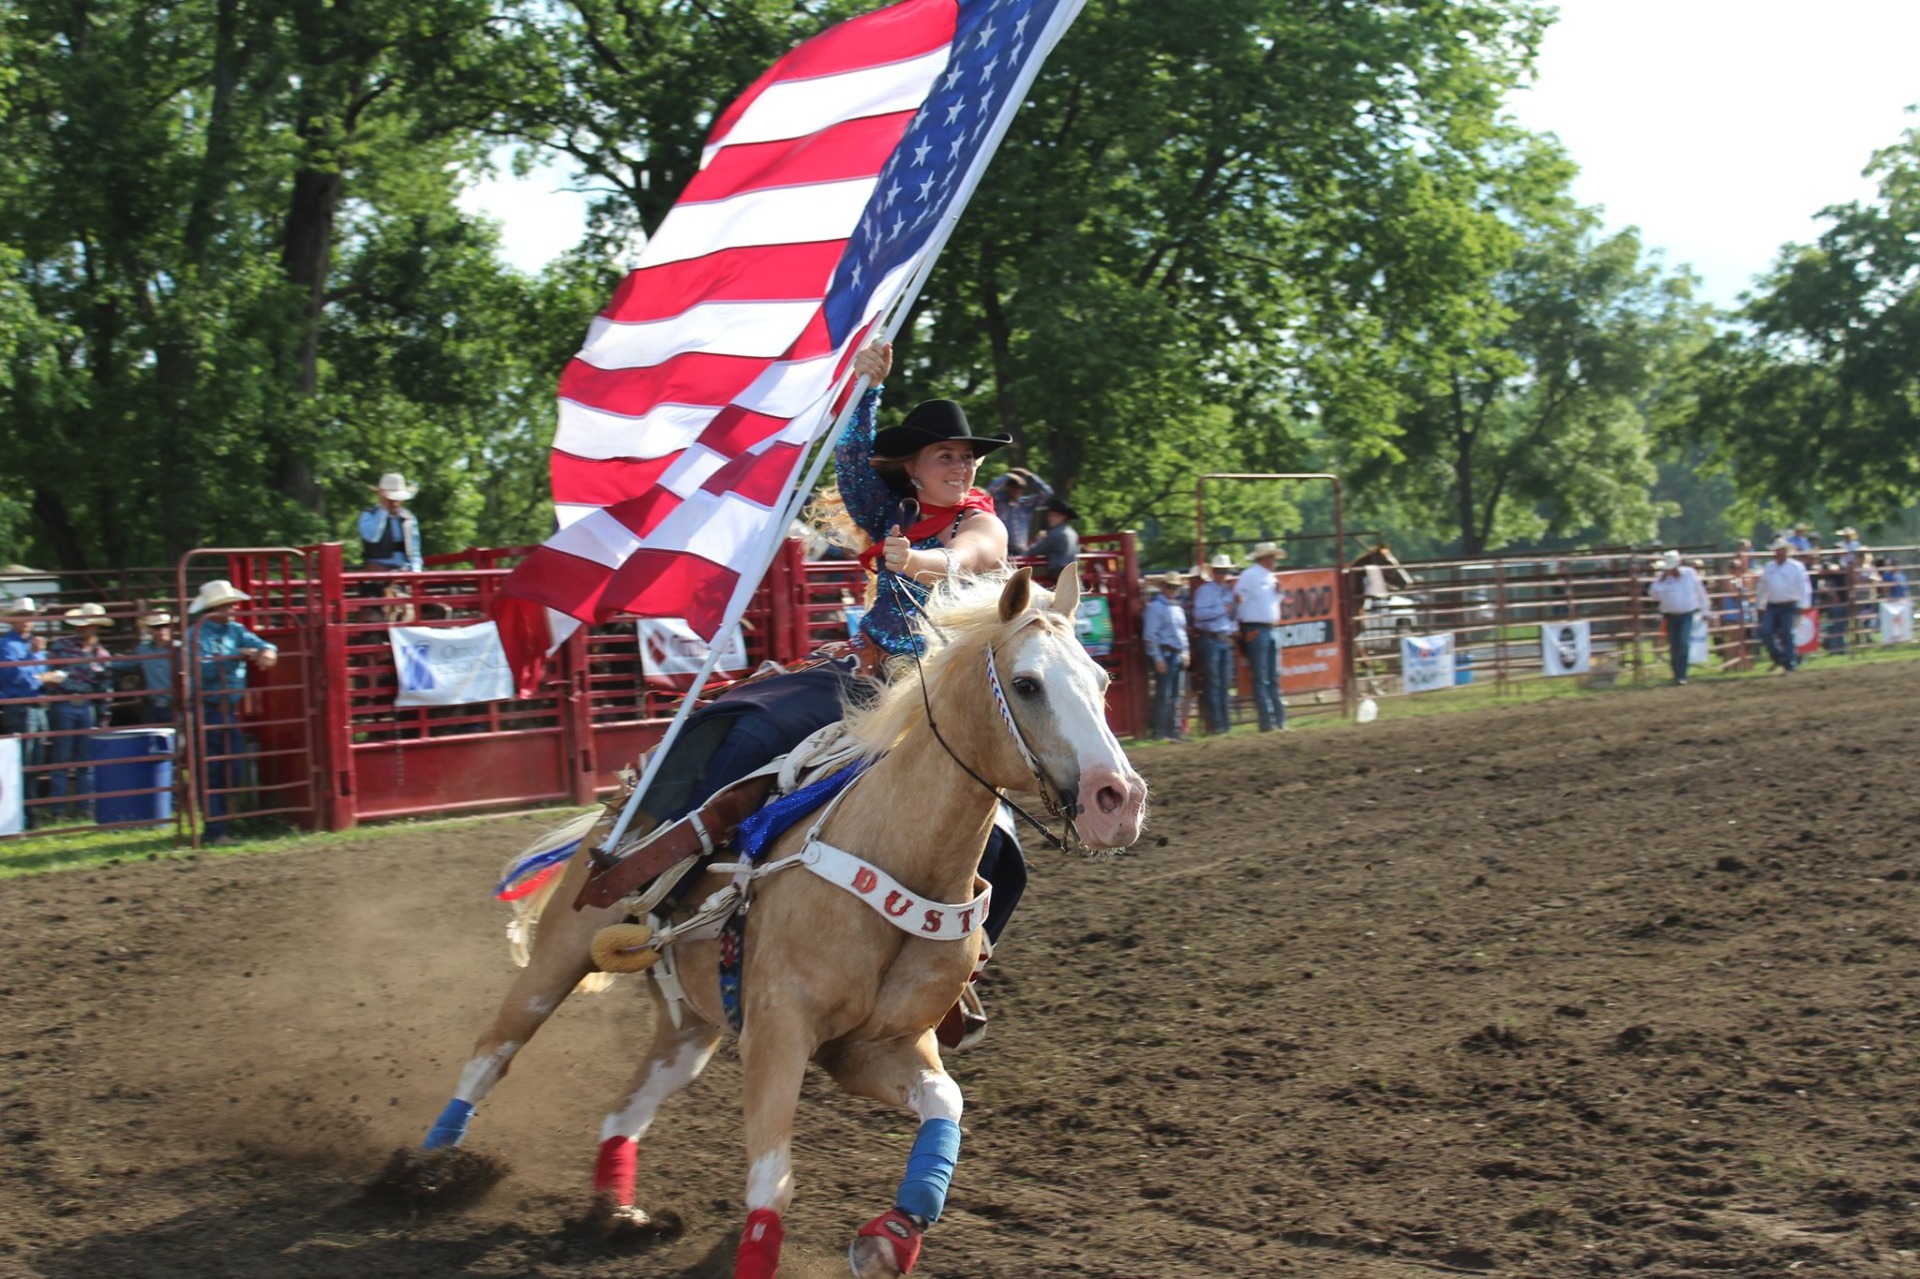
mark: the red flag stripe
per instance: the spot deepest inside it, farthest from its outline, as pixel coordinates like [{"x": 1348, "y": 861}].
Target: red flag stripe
[{"x": 772, "y": 272}]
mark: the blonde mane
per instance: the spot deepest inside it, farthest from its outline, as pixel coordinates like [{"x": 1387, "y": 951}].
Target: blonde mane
[{"x": 962, "y": 617}]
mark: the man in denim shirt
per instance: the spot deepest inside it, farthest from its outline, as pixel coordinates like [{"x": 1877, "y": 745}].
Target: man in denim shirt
[
  {"x": 221, "y": 650},
  {"x": 82, "y": 658},
  {"x": 23, "y": 678},
  {"x": 1165, "y": 634},
  {"x": 1213, "y": 626}
]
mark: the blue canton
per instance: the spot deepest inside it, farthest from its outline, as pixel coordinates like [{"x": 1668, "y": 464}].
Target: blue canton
[{"x": 953, "y": 131}]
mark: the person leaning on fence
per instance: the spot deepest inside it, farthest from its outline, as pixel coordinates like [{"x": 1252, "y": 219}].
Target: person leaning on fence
[
  {"x": 152, "y": 660},
  {"x": 222, "y": 650},
  {"x": 1212, "y": 617},
  {"x": 1256, "y": 597},
  {"x": 24, "y": 679},
  {"x": 1164, "y": 631},
  {"x": 1059, "y": 544},
  {"x": 83, "y": 659},
  {"x": 1781, "y": 592},
  {"x": 389, "y": 534},
  {"x": 1683, "y": 605}
]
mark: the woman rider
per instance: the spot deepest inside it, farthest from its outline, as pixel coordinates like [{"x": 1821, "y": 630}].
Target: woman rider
[{"x": 931, "y": 458}]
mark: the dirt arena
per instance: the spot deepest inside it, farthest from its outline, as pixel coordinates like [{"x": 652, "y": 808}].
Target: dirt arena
[{"x": 1609, "y": 985}]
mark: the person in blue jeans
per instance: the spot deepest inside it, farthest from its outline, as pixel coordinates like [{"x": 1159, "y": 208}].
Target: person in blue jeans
[
  {"x": 1257, "y": 608},
  {"x": 83, "y": 659},
  {"x": 1165, "y": 635},
  {"x": 223, "y": 650},
  {"x": 1213, "y": 636},
  {"x": 1782, "y": 591},
  {"x": 24, "y": 679}
]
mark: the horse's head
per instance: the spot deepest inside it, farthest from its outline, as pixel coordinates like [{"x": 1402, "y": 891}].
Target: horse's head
[{"x": 1055, "y": 699}]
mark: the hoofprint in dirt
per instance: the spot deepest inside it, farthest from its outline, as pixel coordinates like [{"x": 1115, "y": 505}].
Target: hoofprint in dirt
[{"x": 1621, "y": 984}]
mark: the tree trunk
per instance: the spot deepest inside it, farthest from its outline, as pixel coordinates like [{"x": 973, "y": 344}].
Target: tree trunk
[
  {"x": 1000, "y": 343},
  {"x": 306, "y": 255}
]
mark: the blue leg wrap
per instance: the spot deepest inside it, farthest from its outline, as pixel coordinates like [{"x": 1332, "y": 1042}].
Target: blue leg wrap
[
  {"x": 451, "y": 1126},
  {"x": 923, "y": 1191}
]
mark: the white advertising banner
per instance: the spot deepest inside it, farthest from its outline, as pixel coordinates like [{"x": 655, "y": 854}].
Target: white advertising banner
[
  {"x": 450, "y": 665},
  {"x": 1896, "y": 621},
  {"x": 1700, "y": 642},
  {"x": 1426, "y": 662},
  {"x": 13, "y": 796},
  {"x": 668, "y": 646},
  {"x": 1566, "y": 648}
]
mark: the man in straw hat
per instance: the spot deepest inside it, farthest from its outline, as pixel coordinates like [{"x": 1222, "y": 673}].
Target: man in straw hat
[
  {"x": 222, "y": 650},
  {"x": 153, "y": 658},
  {"x": 24, "y": 678},
  {"x": 83, "y": 659},
  {"x": 389, "y": 535},
  {"x": 1683, "y": 601},
  {"x": 1213, "y": 632},
  {"x": 1257, "y": 608},
  {"x": 1781, "y": 592},
  {"x": 1164, "y": 631}
]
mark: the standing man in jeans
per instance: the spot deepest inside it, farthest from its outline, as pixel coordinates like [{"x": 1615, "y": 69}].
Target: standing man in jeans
[
  {"x": 1783, "y": 590},
  {"x": 221, "y": 650},
  {"x": 1257, "y": 608},
  {"x": 24, "y": 677},
  {"x": 1213, "y": 626},
  {"x": 1165, "y": 634},
  {"x": 83, "y": 660},
  {"x": 1682, "y": 597}
]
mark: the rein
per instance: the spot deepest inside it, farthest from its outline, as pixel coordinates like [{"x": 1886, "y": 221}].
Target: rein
[{"x": 1058, "y": 804}]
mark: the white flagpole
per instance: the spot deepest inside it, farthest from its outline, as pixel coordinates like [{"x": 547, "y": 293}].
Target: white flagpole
[{"x": 901, "y": 307}]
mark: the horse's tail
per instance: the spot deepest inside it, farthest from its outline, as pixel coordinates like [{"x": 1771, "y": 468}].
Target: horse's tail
[{"x": 529, "y": 882}]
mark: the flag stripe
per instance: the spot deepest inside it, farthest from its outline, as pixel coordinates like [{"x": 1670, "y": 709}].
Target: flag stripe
[
  {"x": 779, "y": 215},
  {"x": 590, "y": 434},
  {"x": 796, "y": 108},
  {"x": 763, "y": 329},
  {"x": 777, "y": 273},
  {"x": 855, "y": 149}
]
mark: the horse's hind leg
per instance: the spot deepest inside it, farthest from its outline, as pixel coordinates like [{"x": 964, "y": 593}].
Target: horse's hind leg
[
  {"x": 677, "y": 1057},
  {"x": 908, "y": 1075},
  {"x": 562, "y": 955}
]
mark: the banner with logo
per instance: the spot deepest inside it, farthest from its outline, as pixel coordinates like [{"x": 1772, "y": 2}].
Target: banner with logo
[
  {"x": 1426, "y": 662},
  {"x": 1093, "y": 624},
  {"x": 1700, "y": 642},
  {"x": 1896, "y": 621},
  {"x": 1806, "y": 632},
  {"x": 13, "y": 795},
  {"x": 450, "y": 665},
  {"x": 1309, "y": 630},
  {"x": 668, "y": 646},
  {"x": 1566, "y": 648}
]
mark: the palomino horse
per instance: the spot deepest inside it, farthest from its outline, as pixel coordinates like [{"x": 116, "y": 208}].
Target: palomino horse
[{"x": 845, "y": 980}]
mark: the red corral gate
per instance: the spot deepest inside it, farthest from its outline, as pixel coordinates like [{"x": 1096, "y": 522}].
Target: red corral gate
[{"x": 330, "y": 749}]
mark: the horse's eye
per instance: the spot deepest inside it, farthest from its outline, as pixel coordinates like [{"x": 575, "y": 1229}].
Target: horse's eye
[{"x": 1026, "y": 685}]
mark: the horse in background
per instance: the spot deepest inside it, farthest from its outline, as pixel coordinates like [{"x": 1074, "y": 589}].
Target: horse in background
[{"x": 852, "y": 968}]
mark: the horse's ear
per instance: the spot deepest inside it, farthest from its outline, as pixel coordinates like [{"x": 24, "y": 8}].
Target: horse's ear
[
  {"x": 1066, "y": 591},
  {"x": 1016, "y": 595}
]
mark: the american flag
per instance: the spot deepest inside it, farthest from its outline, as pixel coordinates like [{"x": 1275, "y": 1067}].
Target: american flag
[{"x": 824, "y": 191}]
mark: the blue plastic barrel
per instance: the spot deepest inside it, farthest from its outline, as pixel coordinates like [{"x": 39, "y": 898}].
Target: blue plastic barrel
[
  {"x": 120, "y": 763},
  {"x": 1462, "y": 668}
]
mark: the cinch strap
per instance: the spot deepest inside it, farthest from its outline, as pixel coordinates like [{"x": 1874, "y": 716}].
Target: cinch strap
[{"x": 907, "y": 911}]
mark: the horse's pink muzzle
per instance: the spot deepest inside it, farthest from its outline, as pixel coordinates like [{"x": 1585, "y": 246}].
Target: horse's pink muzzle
[{"x": 1112, "y": 806}]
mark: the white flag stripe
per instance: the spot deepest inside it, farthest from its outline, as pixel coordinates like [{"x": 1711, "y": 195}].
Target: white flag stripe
[
  {"x": 795, "y": 108},
  {"x": 597, "y": 536},
  {"x": 691, "y": 469},
  {"x": 759, "y": 329},
  {"x": 722, "y": 527},
  {"x": 782, "y": 215},
  {"x": 559, "y": 627},
  {"x": 595, "y": 433},
  {"x": 787, "y": 387},
  {"x": 567, "y": 514}
]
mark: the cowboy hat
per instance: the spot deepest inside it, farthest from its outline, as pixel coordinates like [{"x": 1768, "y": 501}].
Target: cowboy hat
[
  {"x": 1803, "y": 528},
  {"x": 1222, "y": 561},
  {"x": 394, "y": 486},
  {"x": 1059, "y": 506},
  {"x": 158, "y": 618},
  {"x": 216, "y": 594},
  {"x": 1172, "y": 577},
  {"x": 1780, "y": 544},
  {"x": 1669, "y": 559},
  {"x": 934, "y": 422},
  {"x": 1847, "y": 532},
  {"x": 88, "y": 615},
  {"x": 17, "y": 605},
  {"x": 1265, "y": 549}
]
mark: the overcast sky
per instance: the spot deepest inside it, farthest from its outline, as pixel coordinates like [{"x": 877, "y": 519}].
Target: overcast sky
[{"x": 1718, "y": 127}]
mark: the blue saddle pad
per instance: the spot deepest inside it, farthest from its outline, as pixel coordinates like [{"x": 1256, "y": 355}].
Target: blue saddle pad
[{"x": 758, "y": 832}]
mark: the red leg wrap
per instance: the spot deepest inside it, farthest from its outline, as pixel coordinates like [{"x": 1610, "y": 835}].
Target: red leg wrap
[
  {"x": 614, "y": 1171},
  {"x": 897, "y": 1229},
  {"x": 759, "y": 1255}
]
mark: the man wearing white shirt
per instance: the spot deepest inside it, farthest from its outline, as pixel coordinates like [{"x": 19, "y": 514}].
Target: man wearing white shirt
[
  {"x": 1256, "y": 605},
  {"x": 1683, "y": 597},
  {"x": 1783, "y": 590}
]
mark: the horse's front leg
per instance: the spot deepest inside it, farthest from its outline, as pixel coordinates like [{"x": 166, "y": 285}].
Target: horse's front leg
[
  {"x": 907, "y": 1074},
  {"x": 677, "y": 1057},
  {"x": 774, "y": 1048}
]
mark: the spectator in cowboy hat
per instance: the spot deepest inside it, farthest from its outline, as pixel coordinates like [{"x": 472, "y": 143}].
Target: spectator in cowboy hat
[
  {"x": 1800, "y": 537},
  {"x": 1017, "y": 495},
  {"x": 83, "y": 659},
  {"x": 1212, "y": 616},
  {"x": 1783, "y": 589},
  {"x": 24, "y": 677},
  {"x": 152, "y": 658},
  {"x": 222, "y": 649},
  {"x": 1060, "y": 544},
  {"x": 1683, "y": 601},
  {"x": 389, "y": 535},
  {"x": 1164, "y": 632},
  {"x": 1848, "y": 544},
  {"x": 1257, "y": 608}
]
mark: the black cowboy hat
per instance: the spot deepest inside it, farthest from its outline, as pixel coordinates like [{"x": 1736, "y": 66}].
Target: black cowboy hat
[
  {"x": 1060, "y": 504},
  {"x": 934, "y": 422}
]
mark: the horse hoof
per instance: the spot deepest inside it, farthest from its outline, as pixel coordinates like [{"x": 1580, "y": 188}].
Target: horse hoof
[
  {"x": 886, "y": 1247},
  {"x": 622, "y": 948}
]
